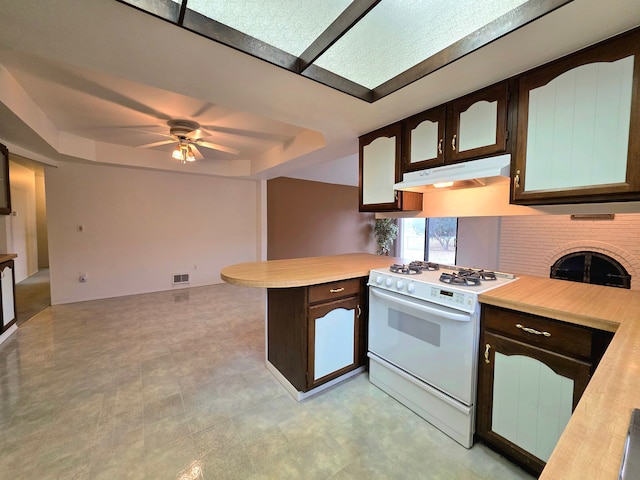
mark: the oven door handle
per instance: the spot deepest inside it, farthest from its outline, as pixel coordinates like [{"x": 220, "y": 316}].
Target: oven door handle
[{"x": 458, "y": 317}]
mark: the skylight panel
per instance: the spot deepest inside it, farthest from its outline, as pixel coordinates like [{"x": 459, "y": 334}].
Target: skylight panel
[
  {"x": 396, "y": 35},
  {"x": 289, "y": 25}
]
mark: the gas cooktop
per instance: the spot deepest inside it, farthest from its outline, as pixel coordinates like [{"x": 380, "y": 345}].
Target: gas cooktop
[{"x": 449, "y": 285}]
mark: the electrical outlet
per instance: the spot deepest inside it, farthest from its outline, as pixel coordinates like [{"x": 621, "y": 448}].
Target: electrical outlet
[{"x": 82, "y": 278}]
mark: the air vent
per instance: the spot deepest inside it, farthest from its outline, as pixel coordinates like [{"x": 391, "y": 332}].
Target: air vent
[{"x": 180, "y": 278}]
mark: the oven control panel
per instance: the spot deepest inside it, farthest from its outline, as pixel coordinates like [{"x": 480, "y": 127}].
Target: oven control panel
[
  {"x": 450, "y": 297},
  {"x": 419, "y": 289}
]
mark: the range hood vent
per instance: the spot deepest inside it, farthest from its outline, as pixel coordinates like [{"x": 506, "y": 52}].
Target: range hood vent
[{"x": 464, "y": 175}]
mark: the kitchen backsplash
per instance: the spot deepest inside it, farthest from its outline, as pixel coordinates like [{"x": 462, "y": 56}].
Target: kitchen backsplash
[{"x": 531, "y": 244}]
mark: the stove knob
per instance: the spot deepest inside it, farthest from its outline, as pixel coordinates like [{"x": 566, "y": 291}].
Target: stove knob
[
  {"x": 411, "y": 288},
  {"x": 379, "y": 280},
  {"x": 399, "y": 284},
  {"x": 389, "y": 282}
]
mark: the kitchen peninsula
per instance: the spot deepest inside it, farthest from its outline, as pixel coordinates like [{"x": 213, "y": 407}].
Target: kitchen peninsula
[
  {"x": 592, "y": 444},
  {"x": 316, "y": 316}
]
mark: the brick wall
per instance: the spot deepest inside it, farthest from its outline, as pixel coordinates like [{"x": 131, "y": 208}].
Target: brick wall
[{"x": 531, "y": 244}]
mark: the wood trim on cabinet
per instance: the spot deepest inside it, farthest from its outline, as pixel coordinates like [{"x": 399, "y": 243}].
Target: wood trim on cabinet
[{"x": 609, "y": 50}]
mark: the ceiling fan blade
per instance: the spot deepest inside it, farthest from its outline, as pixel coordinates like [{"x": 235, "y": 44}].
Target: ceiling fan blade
[
  {"x": 157, "y": 144},
  {"x": 195, "y": 151},
  {"x": 215, "y": 146},
  {"x": 273, "y": 137}
]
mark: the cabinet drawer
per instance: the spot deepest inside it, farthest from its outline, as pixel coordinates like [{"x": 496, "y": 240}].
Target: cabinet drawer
[
  {"x": 556, "y": 336},
  {"x": 333, "y": 290}
]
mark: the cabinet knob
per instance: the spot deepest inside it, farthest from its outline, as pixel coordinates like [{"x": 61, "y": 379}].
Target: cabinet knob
[
  {"x": 453, "y": 142},
  {"x": 486, "y": 353},
  {"x": 516, "y": 180}
]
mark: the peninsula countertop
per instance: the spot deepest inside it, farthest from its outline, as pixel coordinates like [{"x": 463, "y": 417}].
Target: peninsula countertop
[
  {"x": 300, "y": 272},
  {"x": 7, "y": 256},
  {"x": 592, "y": 444}
]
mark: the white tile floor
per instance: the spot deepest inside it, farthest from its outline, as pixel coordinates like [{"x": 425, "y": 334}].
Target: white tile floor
[{"x": 172, "y": 385}]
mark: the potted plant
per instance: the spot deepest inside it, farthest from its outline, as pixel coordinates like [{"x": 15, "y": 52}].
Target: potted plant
[{"x": 386, "y": 231}]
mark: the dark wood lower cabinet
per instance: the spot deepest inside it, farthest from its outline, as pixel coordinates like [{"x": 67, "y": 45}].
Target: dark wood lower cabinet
[
  {"x": 7, "y": 295},
  {"x": 532, "y": 372},
  {"x": 317, "y": 333}
]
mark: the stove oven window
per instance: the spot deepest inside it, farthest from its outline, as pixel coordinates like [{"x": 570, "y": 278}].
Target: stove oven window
[{"x": 438, "y": 246}]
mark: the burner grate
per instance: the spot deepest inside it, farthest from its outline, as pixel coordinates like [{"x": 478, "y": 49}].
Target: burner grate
[
  {"x": 481, "y": 274},
  {"x": 428, "y": 266},
  {"x": 468, "y": 280},
  {"x": 405, "y": 269}
]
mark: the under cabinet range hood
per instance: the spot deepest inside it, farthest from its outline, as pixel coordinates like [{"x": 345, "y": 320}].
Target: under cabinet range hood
[{"x": 474, "y": 173}]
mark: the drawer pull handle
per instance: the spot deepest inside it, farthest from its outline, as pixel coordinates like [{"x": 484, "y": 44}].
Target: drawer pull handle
[
  {"x": 337, "y": 290},
  {"x": 486, "y": 353},
  {"x": 359, "y": 311},
  {"x": 531, "y": 330}
]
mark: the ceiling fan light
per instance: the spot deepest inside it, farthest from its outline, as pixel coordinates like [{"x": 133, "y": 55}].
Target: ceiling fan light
[
  {"x": 177, "y": 153},
  {"x": 190, "y": 157}
]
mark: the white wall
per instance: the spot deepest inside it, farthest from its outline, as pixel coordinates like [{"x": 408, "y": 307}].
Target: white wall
[
  {"x": 478, "y": 242},
  {"x": 141, "y": 227}
]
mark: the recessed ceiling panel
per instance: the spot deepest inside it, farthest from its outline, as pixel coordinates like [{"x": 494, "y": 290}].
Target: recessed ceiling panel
[
  {"x": 289, "y": 25},
  {"x": 396, "y": 35}
]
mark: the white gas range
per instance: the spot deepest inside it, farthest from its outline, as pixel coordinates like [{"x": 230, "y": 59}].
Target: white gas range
[{"x": 423, "y": 340}]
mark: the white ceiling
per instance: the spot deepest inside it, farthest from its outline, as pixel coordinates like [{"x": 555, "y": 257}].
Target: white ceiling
[{"x": 95, "y": 80}]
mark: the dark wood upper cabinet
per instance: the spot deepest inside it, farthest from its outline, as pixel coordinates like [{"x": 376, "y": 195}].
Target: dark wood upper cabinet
[
  {"x": 578, "y": 123},
  {"x": 424, "y": 138},
  {"x": 381, "y": 153},
  {"x": 472, "y": 126}
]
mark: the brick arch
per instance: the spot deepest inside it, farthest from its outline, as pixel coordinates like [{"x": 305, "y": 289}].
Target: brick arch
[{"x": 626, "y": 259}]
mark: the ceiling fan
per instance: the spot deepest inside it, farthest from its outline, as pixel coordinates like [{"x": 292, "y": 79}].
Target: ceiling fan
[{"x": 187, "y": 135}]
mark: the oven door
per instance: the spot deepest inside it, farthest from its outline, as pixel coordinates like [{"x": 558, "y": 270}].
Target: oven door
[{"x": 431, "y": 342}]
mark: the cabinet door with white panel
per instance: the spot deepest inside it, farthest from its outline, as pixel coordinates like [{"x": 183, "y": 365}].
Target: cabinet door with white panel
[
  {"x": 477, "y": 124},
  {"x": 424, "y": 138},
  {"x": 532, "y": 373},
  {"x": 381, "y": 157},
  {"x": 334, "y": 339},
  {"x": 469, "y": 127},
  {"x": 578, "y": 119},
  {"x": 7, "y": 293}
]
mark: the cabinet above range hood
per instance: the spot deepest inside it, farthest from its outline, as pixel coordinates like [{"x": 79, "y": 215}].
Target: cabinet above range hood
[{"x": 463, "y": 175}]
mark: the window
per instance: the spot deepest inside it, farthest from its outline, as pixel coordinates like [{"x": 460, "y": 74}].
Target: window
[{"x": 439, "y": 246}]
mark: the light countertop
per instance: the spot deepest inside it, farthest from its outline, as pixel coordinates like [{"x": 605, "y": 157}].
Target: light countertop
[
  {"x": 300, "y": 272},
  {"x": 591, "y": 445},
  {"x": 7, "y": 256}
]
